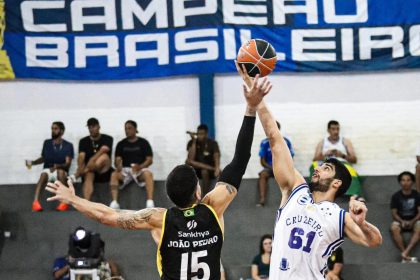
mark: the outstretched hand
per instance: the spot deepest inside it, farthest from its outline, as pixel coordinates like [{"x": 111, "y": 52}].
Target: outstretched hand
[
  {"x": 255, "y": 94},
  {"x": 62, "y": 193},
  {"x": 357, "y": 211},
  {"x": 244, "y": 74}
]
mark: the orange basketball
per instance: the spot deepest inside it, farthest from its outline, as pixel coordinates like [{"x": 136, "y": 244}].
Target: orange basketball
[{"x": 258, "y": 56}]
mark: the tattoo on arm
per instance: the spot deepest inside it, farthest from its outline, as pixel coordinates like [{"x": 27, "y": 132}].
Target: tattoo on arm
[{"x": 130, "y": 219}]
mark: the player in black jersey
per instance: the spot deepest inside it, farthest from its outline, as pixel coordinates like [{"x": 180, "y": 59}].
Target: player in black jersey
[{"x": 190, "y": 235}]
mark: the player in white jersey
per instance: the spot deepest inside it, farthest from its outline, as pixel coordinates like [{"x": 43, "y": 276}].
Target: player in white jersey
[{"x": 309, "y": 226}]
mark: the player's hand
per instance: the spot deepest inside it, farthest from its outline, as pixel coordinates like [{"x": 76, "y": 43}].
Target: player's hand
[
  {"x": 244, "y": 74},
  {"x": 258, "y": 90},
  {"x": 60, "y": 191},
  {"x": 135, "y": 168},
  {"x": 332, "y": 276},
  {"x": 357, "y": 211},
  {"x": 192, "y": 134}
]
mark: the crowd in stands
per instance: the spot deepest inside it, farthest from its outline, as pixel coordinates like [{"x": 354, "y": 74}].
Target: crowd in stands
[{"x": 134, "y": 155}]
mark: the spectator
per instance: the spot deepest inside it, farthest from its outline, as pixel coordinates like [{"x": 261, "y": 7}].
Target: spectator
[
  {"x": 204, "y": 156},
  {"x": 267, "y": 163},
  {"x": 405, "y": 209},
  {"x": 260, "y": 268},
  {"x": 94, "y": 158},
  {"x": 418, "y": 169},
  {"x": 56, "y": 155},
  {"x": 335, "y": 265},
  {"x": 341, "y": 148},
  {"x": 61, "y": 270},
  {"x": 133, "y": 156}
]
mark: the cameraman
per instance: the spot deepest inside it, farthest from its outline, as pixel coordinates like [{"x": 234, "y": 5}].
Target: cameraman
[{"x": 86, "y": 250}]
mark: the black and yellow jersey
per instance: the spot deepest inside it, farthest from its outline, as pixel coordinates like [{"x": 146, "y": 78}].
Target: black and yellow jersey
[{"x": 190, "y": 245}]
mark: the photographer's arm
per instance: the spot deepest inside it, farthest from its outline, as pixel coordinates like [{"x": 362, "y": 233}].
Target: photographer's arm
[{"x": 149, "y": 218}]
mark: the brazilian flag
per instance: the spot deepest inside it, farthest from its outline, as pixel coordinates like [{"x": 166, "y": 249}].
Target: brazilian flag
[{"x": 355, "y": 187}]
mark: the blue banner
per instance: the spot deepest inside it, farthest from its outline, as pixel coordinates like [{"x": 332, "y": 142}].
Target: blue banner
[{"x": 131, "y": 39}]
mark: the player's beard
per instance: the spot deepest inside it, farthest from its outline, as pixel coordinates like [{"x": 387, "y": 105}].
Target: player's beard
[{"x": 321, "y": 186}]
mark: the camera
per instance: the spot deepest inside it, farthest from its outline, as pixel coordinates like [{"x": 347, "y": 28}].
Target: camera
[{"x": 86, "y": 249}]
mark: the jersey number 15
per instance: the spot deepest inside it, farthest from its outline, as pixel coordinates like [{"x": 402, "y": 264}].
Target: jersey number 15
[{"x": 195, "y": 266}]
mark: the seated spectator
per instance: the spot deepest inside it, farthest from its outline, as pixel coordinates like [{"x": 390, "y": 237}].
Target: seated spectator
[
  {"x": 133, "y": 156},
  {"x": 341, "y": 148},
  {"x": 418, "y": 169},
  {"x": 61, "y": 269},
  {"x": 335, "y": 265},
  {"x": 260, "y": 268},
  {"x": 266, "y": 161},
  {"x": 204, "y": 156},
  {"x": 94, "y": 158},
  {"x": 405, "y": 209},
  {"x": 56, "y": 156}
]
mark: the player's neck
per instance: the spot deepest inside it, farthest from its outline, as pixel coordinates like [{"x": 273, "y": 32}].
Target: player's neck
[{"x": 322, "y": 196}]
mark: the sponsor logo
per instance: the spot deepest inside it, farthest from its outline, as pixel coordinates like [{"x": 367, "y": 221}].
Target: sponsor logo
[
  {"x": 284, "y": 264},
  {"x": 304, "y": 199},
  {"x": 191, "y": 225}
]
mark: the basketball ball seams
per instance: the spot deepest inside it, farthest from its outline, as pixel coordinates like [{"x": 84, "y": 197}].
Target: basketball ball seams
[
  {"x": 261, "y": 57},
  {"x": 254, "y": 53},
  {"x": 256, "y": 59}
]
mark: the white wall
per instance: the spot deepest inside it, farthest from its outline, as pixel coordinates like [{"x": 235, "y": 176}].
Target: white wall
[
  {"x": 378, "y": 112},
  {"x": 163, "y": 109}
]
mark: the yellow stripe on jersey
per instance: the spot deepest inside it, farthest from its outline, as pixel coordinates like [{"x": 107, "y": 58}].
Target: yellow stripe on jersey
[
  {"x": 158, "y": 255},
  {"x": 217, "y": 219}
]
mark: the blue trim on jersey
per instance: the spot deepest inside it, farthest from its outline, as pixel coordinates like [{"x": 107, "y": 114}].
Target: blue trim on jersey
[
  {"x": 323, "y": 270},
  {"x": 341, "y": 222},
  {"x": 333, "y": 246},
  {"x": 298, "y": 188}
]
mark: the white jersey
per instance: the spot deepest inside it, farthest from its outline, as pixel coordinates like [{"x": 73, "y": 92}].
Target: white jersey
[
  {"x": 339, "y": 146},
  {"x": 305, "y": 235}
]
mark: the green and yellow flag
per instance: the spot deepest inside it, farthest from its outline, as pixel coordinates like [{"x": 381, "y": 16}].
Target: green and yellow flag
[{"x": 6, "y": 70}]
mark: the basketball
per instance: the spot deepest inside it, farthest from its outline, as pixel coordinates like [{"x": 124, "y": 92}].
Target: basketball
[{"x": 258, "y": 56}]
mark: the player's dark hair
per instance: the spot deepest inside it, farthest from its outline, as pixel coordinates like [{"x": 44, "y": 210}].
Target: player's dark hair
[
  {"x": 60, "y": 125},
  {"x": 203, "y": 127},
  {"x": 408, "y": 173},
  {"x": 264, "y": 237},
  {"x": 332, "y": 122},
  {"x": 181, "y": 185},
  {"x": 341, "y": 173}
]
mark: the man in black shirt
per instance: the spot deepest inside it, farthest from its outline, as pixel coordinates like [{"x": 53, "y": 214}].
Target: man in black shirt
[
  {"x": 94, "y": 157},
  {"x": 204, "y": 156},
  {"x": 405, "y": 208},
  {"x": 133, "y": 156}
]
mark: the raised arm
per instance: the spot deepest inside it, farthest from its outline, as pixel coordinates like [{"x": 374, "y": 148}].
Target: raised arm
[
  {"x": 283, "y": 168},
  {"x": 357, "y": 229},
  {"x": 149, "y": 218},
  {"x": 231, "y": 176}
]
